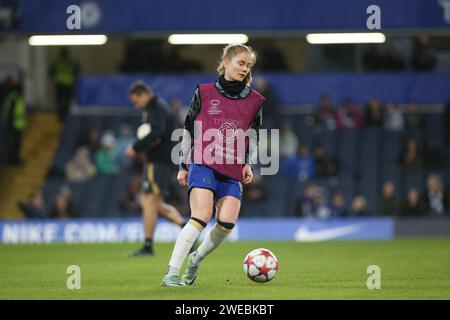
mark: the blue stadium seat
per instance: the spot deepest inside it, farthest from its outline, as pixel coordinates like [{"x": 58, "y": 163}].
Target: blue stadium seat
[
  {"x": 413, "y": 179},
  {"x": 78, "y": 199},
  {"x": 434, "y": 128},
  {"x": 113, "y": 195},
  {"x": 370, "y": 165},
  {"x": 346, "y": 147}
]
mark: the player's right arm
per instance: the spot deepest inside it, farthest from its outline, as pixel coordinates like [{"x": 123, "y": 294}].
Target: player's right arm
[{"x": 188, "y": 137}]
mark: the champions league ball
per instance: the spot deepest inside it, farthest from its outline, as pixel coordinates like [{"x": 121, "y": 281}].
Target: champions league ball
[
  {"x": 261, "y": 265},
  {"x": 143, "y": 130}
]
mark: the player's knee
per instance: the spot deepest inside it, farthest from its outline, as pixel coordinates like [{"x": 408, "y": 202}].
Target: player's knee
[
  {"x": 199, "y": 224},
  {"x": 151, "y": 199},
  {"x": 224, "y": 227}
]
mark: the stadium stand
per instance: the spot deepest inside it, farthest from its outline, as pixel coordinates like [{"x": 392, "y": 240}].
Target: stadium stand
[{"x": 367, "y": 158}]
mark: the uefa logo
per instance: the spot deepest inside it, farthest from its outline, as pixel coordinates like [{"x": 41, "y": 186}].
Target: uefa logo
[{"x": 214, "y": 109}]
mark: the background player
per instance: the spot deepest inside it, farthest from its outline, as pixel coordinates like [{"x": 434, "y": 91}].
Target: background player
[
  {"x": 219, "y": 185},
  {"x": 158, "y": 169}
]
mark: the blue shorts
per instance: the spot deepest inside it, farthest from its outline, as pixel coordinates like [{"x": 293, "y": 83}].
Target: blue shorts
[{"x": 204, "y": 177}]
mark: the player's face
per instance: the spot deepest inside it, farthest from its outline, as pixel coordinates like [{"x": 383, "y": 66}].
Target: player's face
[
  {"x": 238, "y": 67},
  {"x": 140, "y": 100}
]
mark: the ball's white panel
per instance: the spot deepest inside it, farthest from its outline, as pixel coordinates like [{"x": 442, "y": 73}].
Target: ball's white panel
[
  {"x": 260, "y": 278},
  {"x": 271, "y": 274},
  {"x": 274, "y": 257},
  {"x": 252, "y": 271},
  {"x": 270, "y": 263},
  {"x": 255, "y": 252},
  {"x": 259, "y": 261},
  {"x": 245, "y": 268}
]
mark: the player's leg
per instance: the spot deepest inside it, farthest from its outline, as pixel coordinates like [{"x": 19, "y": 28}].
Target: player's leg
[
  {"x": 171, "y": 213},
  {"x": 229, "y": 193},
  {"x": 150, "y": 204},
  {"x": 150, "y": 199},
  {"x": 201, "y": 201},
  {"x": 226, "y": 216}
]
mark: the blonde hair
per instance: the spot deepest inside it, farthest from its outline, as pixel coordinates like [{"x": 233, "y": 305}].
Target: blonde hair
[{"x": 232, "y": 50}]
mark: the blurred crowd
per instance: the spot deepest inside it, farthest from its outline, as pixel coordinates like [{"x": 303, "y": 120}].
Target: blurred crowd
[
  {"x": 101, "y": 153},
  {"x": 303, "y": 163},
  {"x": 317, "y": 202}
]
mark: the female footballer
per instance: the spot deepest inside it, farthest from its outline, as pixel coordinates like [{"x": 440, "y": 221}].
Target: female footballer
[{"x": 214, "y": 178}]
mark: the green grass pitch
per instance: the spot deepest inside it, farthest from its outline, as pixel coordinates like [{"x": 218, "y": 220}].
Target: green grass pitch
[{"x": 410, "y": 269}]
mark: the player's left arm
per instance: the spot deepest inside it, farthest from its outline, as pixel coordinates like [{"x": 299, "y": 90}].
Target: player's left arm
[{"x": 251, "y": 155}]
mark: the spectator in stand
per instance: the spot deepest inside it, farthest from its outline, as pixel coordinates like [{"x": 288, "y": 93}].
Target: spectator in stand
[
  {"x": 413, "y": 206},
  {"x": 62, "y": 205},
  {"x": 13, "y": 115},
  {"x": 105, "y": 157},
  {"x": 411, "y": 159},
  {"x": 80, "y": 168},
  {"x": 300, "y": 166},
  {"x": 388, "y": 204},
  {"x": 373, "y": 113},
  {"x": 325, "y": 164},
  {"x": 305, "y": 206},
  {"x": 288, "y": 141},
  {"x": 325, "y": 114},
  {"x": 35, "y": 207},
  {"x": 393, "y": 118},
  {"x": 338, "y": 205},
  {"x": 64, "y": 71},
  {"x": 130, "y": 201},
  {"x": 436, "y": 199},
  {"x": 413, "y": 117},
  {"x": 394, "y": 61},
  {"x": 322, "y": 207},
  {"x": 423, "y": 58},
  {"x": 433, "y": 157},
  {"x": 90, "y": 140},
  {"x": 349, "y": 116},
  {"x": 359, "y": 207}
]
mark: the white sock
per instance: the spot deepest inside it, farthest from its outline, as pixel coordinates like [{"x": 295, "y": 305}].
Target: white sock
[
  {"x": 184, "y": 243},
  {"x": 212, "y": 240}
]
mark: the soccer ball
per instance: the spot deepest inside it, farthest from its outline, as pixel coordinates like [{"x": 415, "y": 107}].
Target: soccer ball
[{"x": 261, "y": 265}]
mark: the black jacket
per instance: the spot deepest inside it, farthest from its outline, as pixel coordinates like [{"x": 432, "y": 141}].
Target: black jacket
[{"x": 157, "y": 145}]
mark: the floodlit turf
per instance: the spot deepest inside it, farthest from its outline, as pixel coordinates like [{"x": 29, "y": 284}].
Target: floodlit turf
[{"x": 410, "y": 269}]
